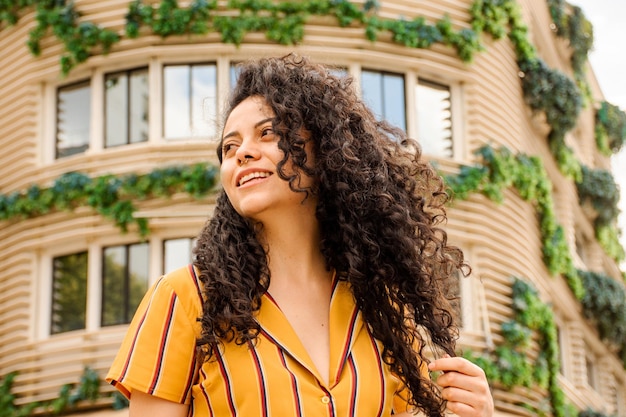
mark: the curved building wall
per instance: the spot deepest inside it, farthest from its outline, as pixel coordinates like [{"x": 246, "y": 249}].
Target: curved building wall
[{"x": 487, "y": 107}]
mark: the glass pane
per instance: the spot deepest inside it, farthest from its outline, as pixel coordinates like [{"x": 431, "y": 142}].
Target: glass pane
[
  {"x": 434, "y": 119},
  {"x": 203, "y": 101},
  {"x": 176, "y": 102},
  {"x": 177, "y": 253},
  {"x": 69, "y": 292},
  {"x": 372, "y": 87},
  {"x": 114, "y": 285},
  {"x": 73, "y": 119},
  {"x": 138, "y": 106},
  {"x": 116, "y": 111},
  {"x": 139, "y": 256},
  {"x": 393, "y": 100},
  {"x": 234, "y": 74}
]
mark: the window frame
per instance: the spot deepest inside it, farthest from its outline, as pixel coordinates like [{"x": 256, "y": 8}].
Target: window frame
[
  {"x": 75, "y": 85},
  {"x": 128, "y": 73},
  {"x": 192, "y": 244},
  {"x": 128, "y": 309},
  {"x": 162, "y": 91},
  {"x": 435, "y": 84},
  {"x": 51, "y": 322},
  {"x": 382, "y": 73}
]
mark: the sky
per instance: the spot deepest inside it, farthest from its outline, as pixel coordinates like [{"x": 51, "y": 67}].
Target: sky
[{"x": 608, "y": 60}]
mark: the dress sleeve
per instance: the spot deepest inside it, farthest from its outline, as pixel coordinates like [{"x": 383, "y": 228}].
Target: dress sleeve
[{"x": 158, "y": 354}]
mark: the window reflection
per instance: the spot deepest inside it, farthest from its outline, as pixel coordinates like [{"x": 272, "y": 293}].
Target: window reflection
[
  {"x": 124, "y": 281},
  {"x": 73, "y": 119},
  {"x": 189, "y": 101},
  {"x": 126, "y": 107},
  {"x": 434, "y": 119},
  {"x": 384, "y": 93},
  {"x": 69, "y": 292}
]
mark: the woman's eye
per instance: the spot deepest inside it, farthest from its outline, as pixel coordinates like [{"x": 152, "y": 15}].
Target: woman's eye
[
  {"x": 267, "y": 131},
  {"x": 228, "y": 148}
]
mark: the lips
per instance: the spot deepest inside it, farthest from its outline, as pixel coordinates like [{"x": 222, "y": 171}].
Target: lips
[{"x": 246, "y": 177}]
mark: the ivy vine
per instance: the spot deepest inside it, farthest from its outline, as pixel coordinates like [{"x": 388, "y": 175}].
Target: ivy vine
[
  {"x": 498, "y": 170},
  {"x": 80, "y": 39},
  {"x": 597, "y": 188},
  {"x": 283, "y": 22},
  {"x": 70, "y": 395},
  {"x": 604, "y": 304},
  {"x": 545, "y": 89},
  {"x": 111, "y": 196},
  {"x": 509, "y": 363},
  {"x": 574, "y": 27},
  {"x": 610, "y": 131}
]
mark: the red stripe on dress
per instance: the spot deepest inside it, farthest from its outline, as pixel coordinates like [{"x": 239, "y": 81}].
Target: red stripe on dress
[
  {"x": 381, "y": 374},
  {"x": 163, "y": 343},
  {"x": 227, "y": 384},
  {"x": 191, "y": 372},
  {"x": 261, "y": 379},
  {"x": 131, "y": 351},
  {"x": 349, "y": 340},
  {"x": 331, "y": 403},
  {"x": 294, "y": 382},
  {"x": 205, "y": 395},
  {"x": 196, "y": 281},
  {"x": 355, "y": 385}
]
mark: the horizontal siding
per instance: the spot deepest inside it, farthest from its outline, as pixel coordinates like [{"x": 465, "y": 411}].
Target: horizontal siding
[{"x": 503, "y": 240}]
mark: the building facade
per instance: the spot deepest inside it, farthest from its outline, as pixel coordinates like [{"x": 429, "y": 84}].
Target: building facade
[{"x": 107, "y": 172}]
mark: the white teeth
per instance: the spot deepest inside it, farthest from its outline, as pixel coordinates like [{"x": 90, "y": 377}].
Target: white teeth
[{"x": 253, "y": 175}]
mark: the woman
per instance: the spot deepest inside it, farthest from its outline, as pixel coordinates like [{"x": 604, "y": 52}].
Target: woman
[{"x": 320, "y": 279}]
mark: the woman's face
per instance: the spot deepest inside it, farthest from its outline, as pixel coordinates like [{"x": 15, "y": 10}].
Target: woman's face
[{"x": 250, "y": 155}]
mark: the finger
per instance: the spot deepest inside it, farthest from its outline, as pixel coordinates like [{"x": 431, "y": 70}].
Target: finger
[
  {"x": 477, "y": 384},
  {"x": 463, "y": 410},
  {"x": 458, "y": 395},
  {"x": 457, "y": 364}
]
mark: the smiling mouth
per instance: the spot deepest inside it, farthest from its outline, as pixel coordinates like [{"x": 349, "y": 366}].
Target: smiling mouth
[{"x": 251, "y": 176}]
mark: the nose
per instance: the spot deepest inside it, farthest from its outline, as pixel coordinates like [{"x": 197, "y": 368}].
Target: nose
[{"x": 248, "y": 150}]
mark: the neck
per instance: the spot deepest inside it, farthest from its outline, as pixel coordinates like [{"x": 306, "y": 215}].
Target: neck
[{"x": 293, "y": 248}]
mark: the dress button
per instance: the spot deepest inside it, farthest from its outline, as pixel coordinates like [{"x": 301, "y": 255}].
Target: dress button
[{"x": 325, "y": 399}]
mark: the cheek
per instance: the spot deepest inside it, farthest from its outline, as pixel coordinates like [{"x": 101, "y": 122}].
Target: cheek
[{"x": 226, "y": 175}]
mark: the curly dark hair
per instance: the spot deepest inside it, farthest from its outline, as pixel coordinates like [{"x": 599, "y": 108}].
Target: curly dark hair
[{"x": 379, "y": 207}]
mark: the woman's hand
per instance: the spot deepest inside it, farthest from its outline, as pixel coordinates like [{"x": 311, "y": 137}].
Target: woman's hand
[{"x": 464, "y": 386}]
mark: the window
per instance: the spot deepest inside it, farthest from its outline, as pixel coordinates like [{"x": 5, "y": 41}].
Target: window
[
  {"x": 434, "y": 118},
  {"x": 177, "y": 253},
  {"x": 69, "y": 292},
  {"x": 126, "y": 107},
  {"x": 383, "y": 92},
  {"x": 124, "y": 281},
  {"x": 73, "y": 117},
  {"x": 590, "y": 363},
  {"x": 189, "y": 101},
  {"x": 235, "y": 69}
]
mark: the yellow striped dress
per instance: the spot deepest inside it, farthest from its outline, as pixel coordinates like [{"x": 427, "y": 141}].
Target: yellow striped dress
[{"x": 272, "y": 377}]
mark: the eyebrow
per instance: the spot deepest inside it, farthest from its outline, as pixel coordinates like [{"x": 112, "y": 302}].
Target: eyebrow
[{"x": 256, "y": 125}]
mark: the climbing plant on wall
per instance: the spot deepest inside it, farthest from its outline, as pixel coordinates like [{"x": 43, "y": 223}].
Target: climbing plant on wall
[
  {"x": 604, "y": 304},
  {"x": 510, "y": 365},
  {"x": 598, "y": 189},
  {"x": 500, "y": 169},
  {"x": 610, "y": 131},
  {"x": 70, "y": 395},
  {"x": 111, "y": 196},
  {"x": 546, "y": 90}
]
